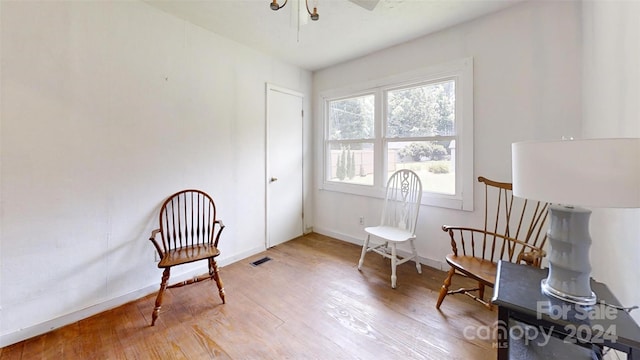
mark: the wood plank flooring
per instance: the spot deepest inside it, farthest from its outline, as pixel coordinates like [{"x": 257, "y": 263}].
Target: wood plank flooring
[{"x": 308, "y": 302}]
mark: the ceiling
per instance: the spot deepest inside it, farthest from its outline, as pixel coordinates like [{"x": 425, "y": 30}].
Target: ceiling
[{"x": 344, "y": 31}]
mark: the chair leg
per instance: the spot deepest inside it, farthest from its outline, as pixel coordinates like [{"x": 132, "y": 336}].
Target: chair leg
[
  {"x": 481, "y": 296},
  {"x": 364, "y": 252},
  {"x": 394, "y": 263},
  {"x": 213, "y": 270},
  {"x": 415, "y": 256},
  {"x": 163, "y": 287},
  {"x": 445, "y": 287}
]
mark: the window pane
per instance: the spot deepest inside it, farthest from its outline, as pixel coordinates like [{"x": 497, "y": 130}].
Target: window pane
[
  {"x": 426, "y": 110},
  {"x": 433, "y": 161},
  {"x": 351, "y": 163},
  {"x": 351, "y": 118}
]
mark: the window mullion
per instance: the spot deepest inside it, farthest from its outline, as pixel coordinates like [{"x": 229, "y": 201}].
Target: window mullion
[
  {"x": 380, "y": 147},
  {"x": 421, "y": 138},
  {"x": 326, "y": 145}
]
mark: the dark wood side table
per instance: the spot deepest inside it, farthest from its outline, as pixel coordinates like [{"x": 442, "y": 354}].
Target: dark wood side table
[{"x": 532, "y": 325}]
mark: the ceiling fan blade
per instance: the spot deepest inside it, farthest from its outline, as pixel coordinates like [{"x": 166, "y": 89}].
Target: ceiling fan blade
[{"x": 367, "y": 4}]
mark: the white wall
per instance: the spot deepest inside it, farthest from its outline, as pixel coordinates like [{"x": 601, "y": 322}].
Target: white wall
[
  {"x": 612, "y": 109},
  {"x": 527, "y": 80},
  {"x": 107, "y": 108}
]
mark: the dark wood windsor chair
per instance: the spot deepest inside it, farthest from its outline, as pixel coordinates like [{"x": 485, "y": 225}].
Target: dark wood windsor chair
[
  {"x": 516, "y": 234},
  {"x": 189, "y": 231}
]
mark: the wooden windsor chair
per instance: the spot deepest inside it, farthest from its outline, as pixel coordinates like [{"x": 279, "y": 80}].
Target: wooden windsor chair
[
  {"x": 189, "y": 232},
  {"x": 514, "y": 231}
]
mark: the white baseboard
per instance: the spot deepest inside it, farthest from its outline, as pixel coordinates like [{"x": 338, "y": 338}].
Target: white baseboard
[
  {"x": 240, "y": 256},
  {"x": 44, "y": 327},
  {"x": 436, "y": 264},
  {"x": 339, "y": 236}
]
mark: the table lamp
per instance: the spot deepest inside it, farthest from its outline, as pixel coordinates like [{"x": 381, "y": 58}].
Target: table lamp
[{"x": 569, "y": 174}]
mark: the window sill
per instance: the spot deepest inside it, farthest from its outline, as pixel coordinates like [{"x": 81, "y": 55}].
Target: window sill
[{"x": 428, "y": 199}]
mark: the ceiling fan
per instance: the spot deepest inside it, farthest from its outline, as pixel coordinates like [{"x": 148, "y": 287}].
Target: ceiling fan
[{"x": 365, "y": 4}]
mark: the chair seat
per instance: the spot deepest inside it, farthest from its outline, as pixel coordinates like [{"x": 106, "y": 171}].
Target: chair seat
[
  {"x": 188, "y": 254},
  {"x": 390, "y": 233},
  {"x": 479, "y": 269}
]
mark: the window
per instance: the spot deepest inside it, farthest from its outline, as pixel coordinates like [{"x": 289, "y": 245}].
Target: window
[
  {"x": 351, "y": 140},
  {"x": 421, "y": 121}
]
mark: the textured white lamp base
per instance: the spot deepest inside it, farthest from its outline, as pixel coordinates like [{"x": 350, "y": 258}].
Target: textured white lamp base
[{"x": 569, "y": 268}]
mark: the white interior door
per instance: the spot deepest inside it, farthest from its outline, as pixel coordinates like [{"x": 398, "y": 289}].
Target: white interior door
[{"x": 284, "y": 165}]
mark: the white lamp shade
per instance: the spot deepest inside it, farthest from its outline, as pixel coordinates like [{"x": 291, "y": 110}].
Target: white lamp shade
[{"x": 591, "y": 173}]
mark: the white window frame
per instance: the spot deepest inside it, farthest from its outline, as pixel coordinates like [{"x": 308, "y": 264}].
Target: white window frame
[{"x": 459, "y": 70}]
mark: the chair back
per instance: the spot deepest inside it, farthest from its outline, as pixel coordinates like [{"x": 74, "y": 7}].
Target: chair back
[
  {"x": 187, "y": 218},
  {"x": 513, "y": 217},
  {"x": 402, "y": 201}
]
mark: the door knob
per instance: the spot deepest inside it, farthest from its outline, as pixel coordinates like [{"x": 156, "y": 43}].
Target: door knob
[{"x": 274, "y": 179}]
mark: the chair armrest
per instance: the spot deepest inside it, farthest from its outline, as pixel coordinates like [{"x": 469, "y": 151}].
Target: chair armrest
[
  {"x": 221, "y": 225},
  {"x": 155, "y": 243},
  {"x": 533, "y": 257},
  {"x": 492, "y": 246},
  {"x": 460, "y": 240},
  {"x": 449, "y": 228}
]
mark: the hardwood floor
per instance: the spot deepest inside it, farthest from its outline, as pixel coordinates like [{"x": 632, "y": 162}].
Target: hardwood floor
[{"x": 308, "y": 302}]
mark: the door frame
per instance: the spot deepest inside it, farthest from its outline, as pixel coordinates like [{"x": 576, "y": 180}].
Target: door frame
[{"x": 268, "y": 88}]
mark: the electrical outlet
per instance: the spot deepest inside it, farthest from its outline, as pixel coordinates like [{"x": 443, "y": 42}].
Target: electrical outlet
[{"x": 361, "y": 220}]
